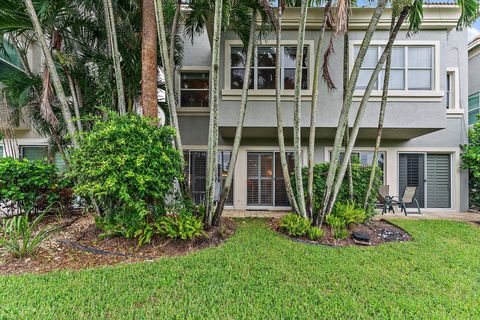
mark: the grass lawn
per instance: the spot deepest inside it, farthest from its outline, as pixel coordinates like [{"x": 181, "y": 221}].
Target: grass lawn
[{"x": 261, "y": 275}]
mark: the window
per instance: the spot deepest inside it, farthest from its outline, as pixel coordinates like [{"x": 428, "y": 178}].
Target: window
[
  {"x": 1, "y": 151},
  {"x": 449, "y": 91},
  {"x": 197, "y": 172},
  {"x": 365, "y": 158},
  {"x": 473, "y": 108},
  {"x": 34, "y": 152},
  {"x": 194, "y": 89},
  {"x": 263, "y": 71},
  {"x": 411, "y": 68},
  {"x": 265, "y": 180}
]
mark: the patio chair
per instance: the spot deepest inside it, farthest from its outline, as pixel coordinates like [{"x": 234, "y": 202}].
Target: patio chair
[
  {"x": 384, "y": 199},
  {"x": 407, "y": 198}
]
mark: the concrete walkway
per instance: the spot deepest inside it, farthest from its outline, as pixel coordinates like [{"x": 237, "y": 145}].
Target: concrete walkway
[{"x": 458, "y": 216}]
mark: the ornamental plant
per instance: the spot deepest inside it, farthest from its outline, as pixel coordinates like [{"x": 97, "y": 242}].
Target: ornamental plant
[
  {"x": 471, "y": 160},
  {"x": 128, "y": 168},
  {"x": 31, "y": 186},
  {"x": 360, "y": 177}
]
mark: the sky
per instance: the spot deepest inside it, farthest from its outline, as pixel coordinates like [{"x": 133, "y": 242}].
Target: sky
[{"x": 474, "y": 30}]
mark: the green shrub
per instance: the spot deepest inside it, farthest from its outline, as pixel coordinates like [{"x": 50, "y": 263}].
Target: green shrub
[
  {"x": 129, "y": 167},
  {"x": 342, "y": 216},
  {"x": 180, "y": 226},
  {"x": 314, "y": 233},
  {"x": 297, "y": 226},
  {"x": 294, "y": 225},
  {"x": 471, "y": 160},
  {"x": 360, "y": 175},
  {"x": 20, "y": 237},
  {"x": 31, "y": 186}
]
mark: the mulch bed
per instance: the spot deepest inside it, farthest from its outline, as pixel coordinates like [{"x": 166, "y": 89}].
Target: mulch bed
[
  {"x": 378, "y": 231},
  {"x": 68, "y": 249}
]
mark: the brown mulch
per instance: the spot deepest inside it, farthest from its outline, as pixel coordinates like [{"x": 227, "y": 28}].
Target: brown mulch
[
  {"x": 57, "y": 253},
  {"x": 379, "y": 231}
]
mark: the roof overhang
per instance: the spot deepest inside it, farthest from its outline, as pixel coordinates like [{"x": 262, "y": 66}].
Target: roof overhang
[
  {"x": 474, "y": 47},
  {"x": 435, "y": 16}
]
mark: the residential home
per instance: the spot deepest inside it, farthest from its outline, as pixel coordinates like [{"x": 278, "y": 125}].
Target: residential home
[
  {"x": 473, "y": 80},
  {"x": 424, "y": 125}
]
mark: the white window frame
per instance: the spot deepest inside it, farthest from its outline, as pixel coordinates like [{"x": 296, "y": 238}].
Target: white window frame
[
  {"x": 30, "y": 145},
  {"x": 266, "y": 94},
  {"x": 455, "y": 107},
  {"x": 191, "y": 111},
  {"x": 435, "y": 94},
  {"x": 469, "y": 110}
]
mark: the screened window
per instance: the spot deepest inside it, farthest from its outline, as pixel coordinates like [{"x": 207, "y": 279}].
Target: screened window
[
  {"x": 34, "y": 152},
  {"x": 411, "y": 68},
  {"x": 473, "y": 108},
  {"x": 196, "y": 170},
  {"x": 194, "y": 91},
  {"x": 263, "y": 71}
]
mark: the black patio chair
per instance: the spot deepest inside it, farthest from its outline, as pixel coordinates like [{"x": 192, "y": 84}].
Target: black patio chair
[{"x": 384, "y": 199}]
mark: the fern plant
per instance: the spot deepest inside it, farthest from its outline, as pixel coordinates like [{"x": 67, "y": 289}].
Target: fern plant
[{"x": 184, "y": 227}]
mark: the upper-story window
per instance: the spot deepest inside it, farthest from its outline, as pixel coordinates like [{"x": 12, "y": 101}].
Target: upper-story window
[
  {"x": 194, "y": 89},
  {"x": 473, "y": 108},
  {"x": 263, "y": 71},
  {"x": 411, "y": 68}
]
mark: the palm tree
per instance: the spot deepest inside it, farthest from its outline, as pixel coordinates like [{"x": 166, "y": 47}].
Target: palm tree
[
  {"x": 168, "y": 71},
  {"x": 149, "y": 60},
  {"x": 279, "y": 112},
  {"x": 57, "y": 84},
  {"x": 297, "y": 130},
  {"x": 112, "y": 36},
  {"x": 327, "y": 20},
  {"x": 241, "y": 119},
  {"x": 347, "y": 101},
  {"x": 414, "y": 12}
]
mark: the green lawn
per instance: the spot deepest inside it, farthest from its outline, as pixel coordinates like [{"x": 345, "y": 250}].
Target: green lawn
[{"x": 260, "y": 275}]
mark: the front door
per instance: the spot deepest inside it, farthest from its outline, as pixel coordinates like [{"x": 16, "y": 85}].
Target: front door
[{"x": 412, "y": 174}]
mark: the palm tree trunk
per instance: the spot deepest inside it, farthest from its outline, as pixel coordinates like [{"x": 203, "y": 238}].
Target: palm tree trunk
[
  {"x": 240, "y": 122},
  {"x": 297, "y": 125},
  {"x": 167, "y": 67},
  {"x": 174, "y": 32},
  {"x": 313, "y": 111},
  {"x": 347, "y": 102},
  {"x": 76, "y": 107},
  {"x": 281, "y": 137},
  {"x": 149, "y": 60},
  {"x": 381, "y": 118},
  {"x": 112, "y": 35},
  {"x": 57, "y": 83},
  {"x": 213, "y": 125},
  {"x": 362, "y": 107},
  {"x": 346, "y": 65}
]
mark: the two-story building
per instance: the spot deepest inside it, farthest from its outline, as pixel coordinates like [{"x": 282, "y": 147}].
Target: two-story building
[
  {"x": 424, "y": 125},
  {"x": 473, "y": 80}
]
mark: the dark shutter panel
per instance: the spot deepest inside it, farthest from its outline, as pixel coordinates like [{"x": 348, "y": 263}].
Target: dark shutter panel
[
  {"x": 411, "y": 174},
  {"x": 438, "y": 181}
]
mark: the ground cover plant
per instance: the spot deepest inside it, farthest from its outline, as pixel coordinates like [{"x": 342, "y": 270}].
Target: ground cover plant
[{"x": 259, "y": 274}]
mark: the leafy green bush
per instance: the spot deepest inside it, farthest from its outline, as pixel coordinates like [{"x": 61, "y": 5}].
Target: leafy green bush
[
  {"x": 180, "y": 226},
  {"x": 31, "y": 186},
  {"x": 129, "y": 168},
  {"x": 297, "y": 226},
  {"x": 342, "y": 216},
  {"x": 294, "y": 225},
  {"x": 20, "y": 237},
  {"x": 314, "y": 233},
  {"x": 471, "y": 160},
  {"x": 360, "y": 176}
]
